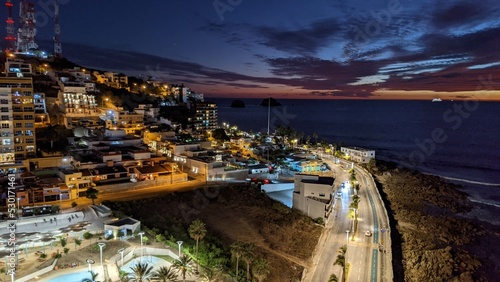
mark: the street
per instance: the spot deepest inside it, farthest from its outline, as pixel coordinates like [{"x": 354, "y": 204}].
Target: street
[{"x": 366, "y": 261}]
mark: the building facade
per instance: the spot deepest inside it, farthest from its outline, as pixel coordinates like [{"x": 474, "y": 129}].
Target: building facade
[
  {"x": 204, "y": 116},
  {"x": 22, "y": 109},
  {"x": 359, "y": 155},
  {"x": 313, "y": 195}
]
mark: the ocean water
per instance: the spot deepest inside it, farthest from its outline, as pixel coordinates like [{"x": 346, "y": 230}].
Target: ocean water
[{"x": 457, "y": 140}]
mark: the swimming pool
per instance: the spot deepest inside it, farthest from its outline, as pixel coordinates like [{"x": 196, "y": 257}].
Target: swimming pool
[{"x": 72, "y": 277}]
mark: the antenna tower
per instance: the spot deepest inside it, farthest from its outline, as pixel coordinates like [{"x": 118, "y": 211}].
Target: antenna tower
[
  {"x": 10, "y": 38},
  {"x": 27, "y": 29},
  {"x": 57, "y": 31}
]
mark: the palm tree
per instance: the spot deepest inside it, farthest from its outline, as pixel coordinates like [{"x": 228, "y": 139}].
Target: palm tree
[
  {"x": 352, "y": 178},
  {"x": 248, "y": 251},
  {"x": 341, "y": 260},
  {"x": 141, "y": 272},
  {"x": 197, "y": 231},
  {"x": 237, "y": 252},
  {"x": 123, "y": 276},
  {"x": 184, "y": 265},
  {"x": 165, "y": 274},
  {"x": 211, "y": 274},
  {"x": 333, "y": 278},
  {"x": 93, "y": 276},
  {"x": 260, "y": 269}
]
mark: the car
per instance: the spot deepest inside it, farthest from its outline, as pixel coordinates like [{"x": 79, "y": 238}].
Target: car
[
  {"x": 339, "y": 194},
  {"x": 368, "y": 233}
]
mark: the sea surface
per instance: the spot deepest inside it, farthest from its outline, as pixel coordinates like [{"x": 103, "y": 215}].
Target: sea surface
[{"x": 457, "y": 140}]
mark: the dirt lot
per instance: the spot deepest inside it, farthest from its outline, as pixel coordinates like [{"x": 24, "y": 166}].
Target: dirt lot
[{"x": 286, "y": 238}]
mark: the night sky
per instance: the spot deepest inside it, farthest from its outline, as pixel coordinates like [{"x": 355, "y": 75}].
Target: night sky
[{"x": 381, "y": 49}]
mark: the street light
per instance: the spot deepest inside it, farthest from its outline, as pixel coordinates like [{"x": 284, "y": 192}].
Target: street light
[
  {"x": 42, "y": 119},
  {"x": 101, "y": 245},
  {"x": 180, "y": 244},
  {"x": 60, "y": 200},
  {"x": 18, "y": 199},
  {"x": 90, "y": 262},
  {"x": 121, "y": 252},
  {"x": 142, "y": 251}
]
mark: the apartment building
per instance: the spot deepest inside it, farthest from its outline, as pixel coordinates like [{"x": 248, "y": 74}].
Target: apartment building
[
  {"x": 21, "y": 110},
  {"x": 76, "y": 103},
  {"x": 359, "y": 155},
  {"x": 6, "y": 126},
  {"x": 204, "y": 116}
]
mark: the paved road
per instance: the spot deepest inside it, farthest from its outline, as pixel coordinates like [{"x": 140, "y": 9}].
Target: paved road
[{"x": 366, "y": 261}]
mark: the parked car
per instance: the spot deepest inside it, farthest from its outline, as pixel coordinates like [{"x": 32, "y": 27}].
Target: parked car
[{"x": 368, "y": 233}]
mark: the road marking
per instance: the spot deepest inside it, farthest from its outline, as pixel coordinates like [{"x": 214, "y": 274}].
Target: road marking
[{"x": 374, "y": 265}]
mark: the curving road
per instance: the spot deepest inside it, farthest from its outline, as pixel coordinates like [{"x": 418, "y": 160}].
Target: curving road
[{"x": 367, "y": 262}]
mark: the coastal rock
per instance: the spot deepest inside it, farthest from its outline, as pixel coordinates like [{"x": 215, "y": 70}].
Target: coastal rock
[
  {"x": 237, "y": 104},
  {"x": 436, "y": 239},
  {"x": 270, "y": 101}
]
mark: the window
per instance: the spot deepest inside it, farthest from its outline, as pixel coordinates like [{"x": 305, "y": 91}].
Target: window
[
  {"x": 4, "y": 109},
  {"x": 18, "y": 124},
  {"x": 28, "y": 125},
  {"x": 19, "y": 149},
  {"x": 4, "y": 101},
  {"x": 30, "y": 141},
  {"x": 28, "y": 117},
  {"x": 5, "y": 125},
  {"x": 5, "y": 117},
  {"x": 29, "y": 132}
]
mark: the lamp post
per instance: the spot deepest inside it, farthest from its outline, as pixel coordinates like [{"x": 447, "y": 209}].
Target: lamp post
[
  {"x": 180, "y": 244},
  {"x": 18, "y": 199},
  {"x": 42, "y": 116},
  {"x": 345, "y": 263},
  {"x": 101, "y": 245},
  {"x": 142, "y": 252},
  {"x": 121, "y": 252},
  {"x": 60, "y": 200},
  {"x": 90, "y": 262}
]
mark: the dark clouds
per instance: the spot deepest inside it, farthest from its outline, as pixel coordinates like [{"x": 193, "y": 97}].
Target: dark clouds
[
  {"x": 304, "y": 41},
  {"x": 346, "y": 49}
]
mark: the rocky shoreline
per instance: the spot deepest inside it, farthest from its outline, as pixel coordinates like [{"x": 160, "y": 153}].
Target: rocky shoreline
[{"x": 432, "y": 239}]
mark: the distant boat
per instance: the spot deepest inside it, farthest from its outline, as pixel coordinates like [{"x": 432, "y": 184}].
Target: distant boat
[{"x": 436, "y": 100}]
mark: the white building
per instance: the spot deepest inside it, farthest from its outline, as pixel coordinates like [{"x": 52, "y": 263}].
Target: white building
[
  {"x": 312, "y": 195},
  {"x": 359, "y": 155}
]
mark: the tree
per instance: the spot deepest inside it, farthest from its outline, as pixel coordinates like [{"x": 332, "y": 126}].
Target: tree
[
  {"x": 92, "y": 194},
  {"x": 93, "y": 276},
  {"x": 87, "y": 236},
  {"x": 333, "y": 278},
  {"x": 211, "y": 274},
  {"x": 260, "y": 269},
  {"x": 248, "y": 252},
  {"x": 220, "y": 135},
  {"x": 236, "y": 252},
  {"x": 197, "y": 231},
  {"x": 165, "y": 274},
  {"x": 141, "y": 272},
  {"x": 352, "y": 177},
  {"x": 123, "y": 276},
  {"x": 77, "y": 242},
  {"x": 184, "y": 265},
  {"x": 341, "y": 260},
  {"x": 63, "y": 242}
]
